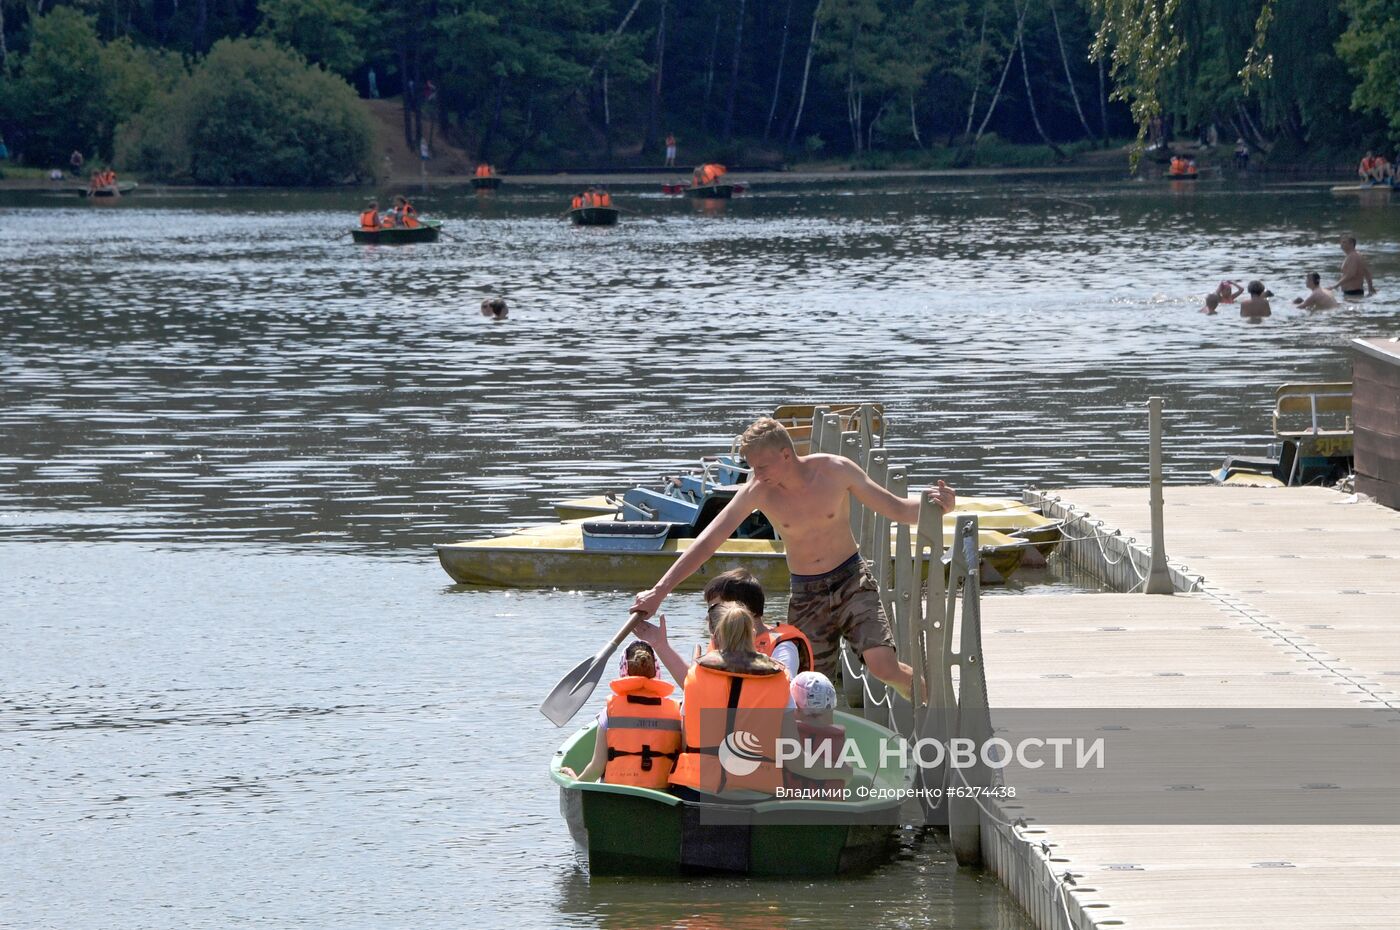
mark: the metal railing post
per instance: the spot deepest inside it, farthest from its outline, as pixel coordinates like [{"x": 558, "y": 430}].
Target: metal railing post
[{"x": 1159, "y": 580}]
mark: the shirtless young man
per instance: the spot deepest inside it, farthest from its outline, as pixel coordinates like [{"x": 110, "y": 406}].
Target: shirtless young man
[
  {"x": 1356, "y": 272},
  {"x": 1319, "y": 298},
  {"x": 808, "y": 499}
]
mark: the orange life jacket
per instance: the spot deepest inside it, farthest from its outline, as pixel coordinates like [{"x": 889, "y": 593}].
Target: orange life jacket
[
  {"x": 605, "y": 199},
  {"x": 769, "y": 639},
  {"x": 644, "y": 733},
  {"x": 747, "y": 705},
  {"x": 387, "y": 221},
  {"x": 369, "y": 219},
  {"x": 577, "y": 202},
  {"x": 407, "y": 215}
]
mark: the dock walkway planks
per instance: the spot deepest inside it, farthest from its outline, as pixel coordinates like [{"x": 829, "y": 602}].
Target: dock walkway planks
[{"x": 1299, "y": 607}]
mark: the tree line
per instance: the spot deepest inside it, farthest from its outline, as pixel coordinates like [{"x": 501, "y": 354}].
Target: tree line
[{"x": 226, "y": 91}]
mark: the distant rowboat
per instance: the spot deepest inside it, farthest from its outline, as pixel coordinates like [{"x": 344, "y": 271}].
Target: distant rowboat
[
  {"x": 1184, "y": 177},
  {"x": 425, "y": 231},
  {"x": 1377, "y": 186},
  {"x": 111, "y": 190},
  {"x": 594, "y": 216},
  {"x": 486, "y": 183}
]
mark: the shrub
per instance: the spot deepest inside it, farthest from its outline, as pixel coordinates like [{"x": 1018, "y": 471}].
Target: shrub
[{"x": 252, "y": 112}]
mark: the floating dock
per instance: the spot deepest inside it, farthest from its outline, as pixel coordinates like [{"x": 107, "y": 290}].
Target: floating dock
[{"x": 1287, "y": 598}]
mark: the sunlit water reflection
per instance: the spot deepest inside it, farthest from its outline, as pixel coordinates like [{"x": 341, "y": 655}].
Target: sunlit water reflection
[{"x": 236, "y": 688}]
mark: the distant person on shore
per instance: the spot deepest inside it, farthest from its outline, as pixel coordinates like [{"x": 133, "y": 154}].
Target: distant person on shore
[
  {"x": 1355, "y": 280},
  {"x": 1212, "y": 306},
  {"x": 1319, "y": 298},
  {"x": 670, "y": 150},
  {"x": 495, "y": 308},
  {"x": 373, "y": 86},
  {"x": 1241, "y": 153},
  {"x": 1227, "y": 291},
  {"x": 1256, "y": 306},
  {"x": 75, "y": 162}
]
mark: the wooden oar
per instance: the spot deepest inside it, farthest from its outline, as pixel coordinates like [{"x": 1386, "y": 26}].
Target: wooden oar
[{"x": 574, "y": 688}]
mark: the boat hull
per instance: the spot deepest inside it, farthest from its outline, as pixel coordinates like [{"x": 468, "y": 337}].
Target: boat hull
[
  {"x": 486, "y": 184},
  {"x": 711, "y": 192},
  {"x": 621, "y": 830},
  {"x": 594, "y": 216},
  {"x": 554, "y": 556},
  {"x": 398, "y": 235},
  {"x": 105, "y": 193}
]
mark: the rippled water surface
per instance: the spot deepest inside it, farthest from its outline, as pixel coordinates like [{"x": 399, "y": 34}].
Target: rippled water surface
[{"x": 237, "y": 689}]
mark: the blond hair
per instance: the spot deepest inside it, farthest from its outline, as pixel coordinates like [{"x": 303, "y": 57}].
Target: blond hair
[
  {"x": 734, "y": 630},
  {"x": 765, "y": 433}
]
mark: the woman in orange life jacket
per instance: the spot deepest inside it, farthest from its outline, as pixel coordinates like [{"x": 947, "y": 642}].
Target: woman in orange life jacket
[
  {"x": 639, "y": 733},
  {"x": 736, "y": 702},
  {"x": 782, "y": 642},
  {"x": 404, "y": 213},
  {"x": 369, "y": 217}
]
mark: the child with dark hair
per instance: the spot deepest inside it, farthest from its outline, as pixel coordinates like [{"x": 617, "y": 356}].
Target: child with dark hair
[
  {"x": 639, "y": 733},
  {"x": 1256, "y": 306}
]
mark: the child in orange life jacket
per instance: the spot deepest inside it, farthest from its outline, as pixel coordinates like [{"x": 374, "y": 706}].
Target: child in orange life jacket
[
  {"x": 783, "y": 643},
  {"x": 639, "y": 733}
]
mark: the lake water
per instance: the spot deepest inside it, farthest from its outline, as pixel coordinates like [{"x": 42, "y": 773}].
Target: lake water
[{"x": 237, "y": 688}]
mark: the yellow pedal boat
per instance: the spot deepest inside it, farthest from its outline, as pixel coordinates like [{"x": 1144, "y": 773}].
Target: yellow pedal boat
[{"x": 555, "y": 556}]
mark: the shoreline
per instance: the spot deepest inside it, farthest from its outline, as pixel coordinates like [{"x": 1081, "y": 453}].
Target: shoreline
[{"x": 631, "y": 176}]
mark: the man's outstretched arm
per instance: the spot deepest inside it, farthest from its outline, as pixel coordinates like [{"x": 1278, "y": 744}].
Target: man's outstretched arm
[{"x": 713, "y": 536}]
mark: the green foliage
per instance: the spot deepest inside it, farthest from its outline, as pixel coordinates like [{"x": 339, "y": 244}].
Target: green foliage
[
  {"x": 1371, "y": 48},
  {"x": 59, "y": 97},
  {"x": 325, "y": 32},
  {"x": 253, "y": 113}
]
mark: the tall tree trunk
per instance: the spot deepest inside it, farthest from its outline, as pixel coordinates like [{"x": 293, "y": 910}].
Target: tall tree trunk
[
  {"x": 734, "y": 72},
  {"x": 778, "y": 72},
  {"x": 1259, "y": 141},
  {"x": 201, "y": 24},
  {"x": 1010, "y": 55},
  {"x": 853, "y": 110},
  {"x": 1030, "y": 97},
  {"x": 607, "y": 119},
  {"x": 806, "y": 71},
  {"x": 914, "y": 122},
  {"x": 407, "y": 93},
  {"x": 1103, "y": 104},
  {"x": 654, "y": 109},
  {"x": 494, "y": 126},
  {"x": 4, "y": 49},
  {"x": 1069, "y": 78},
  {"x": 709, "y": 77},
  {"x": 977, "y": 72}
]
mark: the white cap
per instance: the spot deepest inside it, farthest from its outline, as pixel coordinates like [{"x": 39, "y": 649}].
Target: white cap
[{"x": 813, "y": 692}]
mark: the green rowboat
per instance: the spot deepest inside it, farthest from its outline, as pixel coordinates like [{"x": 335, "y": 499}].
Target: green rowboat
[
  {"x": 117, "y": 190},
  {"x": 426, "y": 231},
  {"x": 622, "y": 830},
  {"x": 594, "y": 216}
]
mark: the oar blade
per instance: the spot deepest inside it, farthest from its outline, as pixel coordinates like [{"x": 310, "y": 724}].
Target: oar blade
[{"x": 573, "y": 690}]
